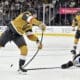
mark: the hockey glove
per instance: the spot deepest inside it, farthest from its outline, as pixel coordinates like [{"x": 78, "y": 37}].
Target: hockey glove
[
  {"x": 39, "y": 45},
  {"x": 42, "y": 26}
]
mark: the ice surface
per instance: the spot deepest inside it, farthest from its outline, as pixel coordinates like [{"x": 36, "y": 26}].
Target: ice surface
[{"x": 55, "y": 52}]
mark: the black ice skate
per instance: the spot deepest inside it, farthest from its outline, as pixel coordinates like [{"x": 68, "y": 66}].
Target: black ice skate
[
  {"x": 21, "y": 69},
  {"x": 74, "y": 50},
  {"x": 67, "y": 65}
]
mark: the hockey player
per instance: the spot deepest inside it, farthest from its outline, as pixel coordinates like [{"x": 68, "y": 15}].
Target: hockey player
[
  {"x": 76, "y": 23},
  {"x": 76, "y": 58},
  {"x": 22, "y": 24}
]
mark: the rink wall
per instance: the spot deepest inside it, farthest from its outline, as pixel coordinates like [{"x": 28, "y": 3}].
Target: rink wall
[
  {"x": 50, "y": 30},
  {"x": 56, "y": 31}
]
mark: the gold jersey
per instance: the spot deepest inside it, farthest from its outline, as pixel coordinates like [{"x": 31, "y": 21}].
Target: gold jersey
[
  {"x": 24, "y": 22},
  {"x": 76, "y": 22}
]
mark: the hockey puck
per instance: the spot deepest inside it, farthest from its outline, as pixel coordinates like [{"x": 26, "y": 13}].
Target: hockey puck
[{"x": 11, "y": 65}]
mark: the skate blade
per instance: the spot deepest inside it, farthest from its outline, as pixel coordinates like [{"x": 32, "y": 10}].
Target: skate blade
[{"x": 21, "y": 72}]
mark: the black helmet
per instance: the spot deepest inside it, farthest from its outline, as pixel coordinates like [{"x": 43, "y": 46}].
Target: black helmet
[{"x": 32, "y": 11}]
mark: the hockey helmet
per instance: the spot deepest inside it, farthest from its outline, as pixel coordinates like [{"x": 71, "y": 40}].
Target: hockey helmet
[{"x": 32, "y": 11}]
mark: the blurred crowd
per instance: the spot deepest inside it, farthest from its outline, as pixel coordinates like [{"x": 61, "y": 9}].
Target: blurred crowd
[
  {"x": 65, "y": 19},
  {"x": 9, "y": 9}
]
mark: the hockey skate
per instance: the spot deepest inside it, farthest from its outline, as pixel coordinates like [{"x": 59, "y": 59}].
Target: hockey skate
[
  {"x": 73, "y": 51},
  {"x": 67, "y": 65},
  {"x": 21, "y": 69}
]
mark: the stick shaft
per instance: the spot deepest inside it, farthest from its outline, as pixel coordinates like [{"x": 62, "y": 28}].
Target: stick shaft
[{"x": 34, "y": 54}]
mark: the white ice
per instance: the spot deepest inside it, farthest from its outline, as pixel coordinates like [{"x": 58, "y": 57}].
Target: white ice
[{"x": 56, "y": 51}]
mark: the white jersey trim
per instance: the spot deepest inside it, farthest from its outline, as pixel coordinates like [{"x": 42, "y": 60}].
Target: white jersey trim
[
  {"x": 29, "y": 33},
  {"x": 29, "y": 18},
  {"x": 22, "y": 57}
]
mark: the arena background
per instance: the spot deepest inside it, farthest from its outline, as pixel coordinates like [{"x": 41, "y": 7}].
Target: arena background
[
  {"x": 57, "y": 41},
  {"x": 56, "y": 14}
]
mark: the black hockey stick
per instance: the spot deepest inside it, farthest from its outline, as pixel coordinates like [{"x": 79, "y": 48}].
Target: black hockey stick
[
  {"x": 50, "y": 68},
  {"x": 34, "y": 54},
  {"x": 44, "y": 68}
]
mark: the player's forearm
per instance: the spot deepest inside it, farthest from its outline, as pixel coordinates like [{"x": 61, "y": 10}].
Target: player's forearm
[{"x": 36, "y": 22}]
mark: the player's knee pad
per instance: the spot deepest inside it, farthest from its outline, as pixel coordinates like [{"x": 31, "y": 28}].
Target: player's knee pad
[{"x": 23, "y": 50}]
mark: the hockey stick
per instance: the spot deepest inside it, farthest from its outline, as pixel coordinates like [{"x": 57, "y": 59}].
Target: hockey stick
[
  {"x": 50, "y": 68},
  {"x": 44, "y": 68},
  {"x": 34, "y": 54}
]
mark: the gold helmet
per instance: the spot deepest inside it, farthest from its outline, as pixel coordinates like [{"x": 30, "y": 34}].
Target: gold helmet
[{"x": 30, "y": 12}]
